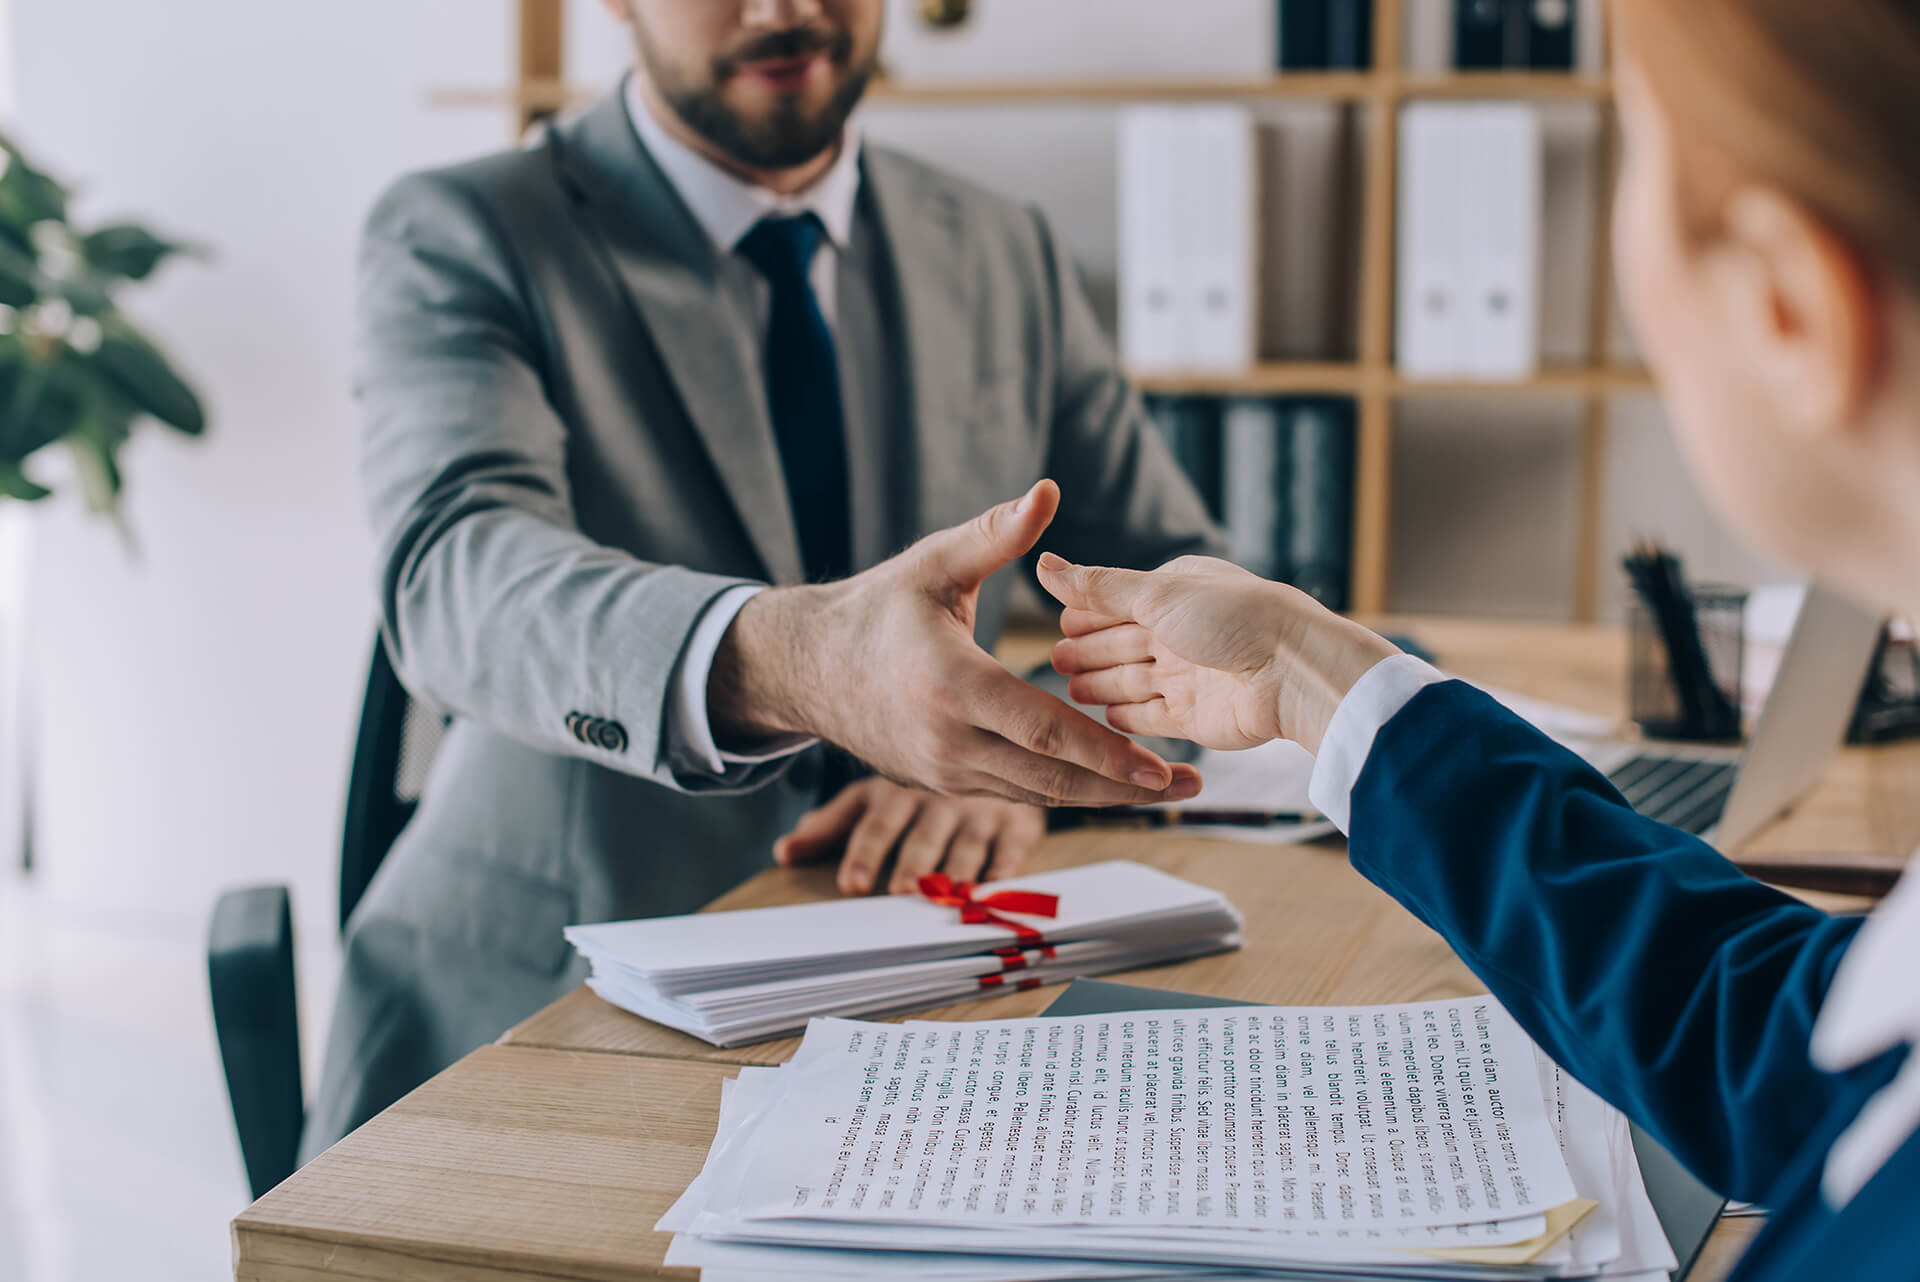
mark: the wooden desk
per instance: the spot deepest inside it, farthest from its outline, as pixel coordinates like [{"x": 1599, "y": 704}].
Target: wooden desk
[{"x": 552, "y": 1153}]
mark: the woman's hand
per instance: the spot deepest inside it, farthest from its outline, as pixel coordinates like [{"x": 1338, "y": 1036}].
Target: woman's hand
[
  {"x": 967, "y": 837},
  {"x": 1201, "y": 649}
]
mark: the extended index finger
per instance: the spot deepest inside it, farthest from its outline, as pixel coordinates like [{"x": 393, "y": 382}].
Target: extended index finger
[
  {"x": 1077, "y": 623},
  {"x": 1050, "y": 727},
  {"x": 1107, "y": 648}
]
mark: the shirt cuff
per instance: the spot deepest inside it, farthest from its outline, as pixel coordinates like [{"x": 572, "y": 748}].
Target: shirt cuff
[
  {"x": 1375, "y": 699},
  {"x": 690, "y": 743}
]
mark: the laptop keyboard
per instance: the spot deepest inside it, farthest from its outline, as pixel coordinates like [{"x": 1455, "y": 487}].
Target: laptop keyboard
[{"x": 1689, "y": 795}]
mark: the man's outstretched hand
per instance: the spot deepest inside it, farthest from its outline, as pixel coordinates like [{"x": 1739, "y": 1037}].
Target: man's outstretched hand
[
  {"x": 884, "y": 664},
  {"x": 1201, "y": 649}
]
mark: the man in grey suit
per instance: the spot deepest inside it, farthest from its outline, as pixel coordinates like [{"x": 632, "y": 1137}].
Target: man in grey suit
[{"x": 650, "y": 406}]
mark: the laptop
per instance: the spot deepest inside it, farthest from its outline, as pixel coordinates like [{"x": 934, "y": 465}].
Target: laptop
[{"x": 1726, "y": 796}]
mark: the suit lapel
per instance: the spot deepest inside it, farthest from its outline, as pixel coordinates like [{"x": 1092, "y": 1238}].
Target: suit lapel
[
  {"x": 671, "y": 275},
  {"x": 934, "y": 277}
]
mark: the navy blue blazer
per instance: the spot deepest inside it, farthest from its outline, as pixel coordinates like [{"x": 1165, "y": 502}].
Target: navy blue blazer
[{"x": 1677, "y": 988}]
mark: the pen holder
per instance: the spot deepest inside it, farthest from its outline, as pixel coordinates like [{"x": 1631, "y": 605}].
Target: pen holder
[{"x": 1653, "y": 696}]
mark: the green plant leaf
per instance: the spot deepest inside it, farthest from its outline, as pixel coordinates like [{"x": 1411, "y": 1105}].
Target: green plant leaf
[
  {"x": 128, "y": 250},
  {"x": 95, "y": 446},
  {"x": 37, "y": 412},
  {"x": 17, "y": 287},
  {"x": 143, "y": 375},
  {"x": 86, "y": 292},
  {"x": 88, "y": 383},
  {"x": 27, "y": 196},
  {"x": 15, "y": 485}
]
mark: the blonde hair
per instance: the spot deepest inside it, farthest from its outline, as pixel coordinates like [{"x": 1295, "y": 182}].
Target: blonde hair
[{"x": 1820, "y": 98}]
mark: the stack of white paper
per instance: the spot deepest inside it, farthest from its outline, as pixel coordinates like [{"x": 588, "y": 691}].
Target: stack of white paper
[
  {"x": 763, "y": 972},
  {"x": 1428, "y": 1140}
]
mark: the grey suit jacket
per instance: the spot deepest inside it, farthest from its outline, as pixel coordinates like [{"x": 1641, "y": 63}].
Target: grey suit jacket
[{"x": 568, "y": 456}]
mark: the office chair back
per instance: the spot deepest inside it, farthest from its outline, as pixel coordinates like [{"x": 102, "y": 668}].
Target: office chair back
[
  {"x": 398, "y": 739},
  {"x": 250, "y": 966}
]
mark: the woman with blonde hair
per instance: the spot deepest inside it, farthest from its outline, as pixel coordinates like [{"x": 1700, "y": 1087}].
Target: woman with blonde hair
[{"x": 1768, "y": 229}]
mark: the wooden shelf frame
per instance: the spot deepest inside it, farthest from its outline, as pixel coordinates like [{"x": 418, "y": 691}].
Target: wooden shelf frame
[
  {"x": 1323, "y": 86},
  {"x": 548, "y": 93},
  {"x": 543, "y": 52},
  {"x": 1371, "y": 380},
  {"x": 1350, "y": 378}
]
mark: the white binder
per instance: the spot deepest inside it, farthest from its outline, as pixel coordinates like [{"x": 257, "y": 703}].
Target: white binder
[
  {"x": 1468, "y": 301},
  {"x": 1219, "y": 237},
  {"x": 1149, "y": 239},
  {"x": 1504, "y": 194},
  {"x": 1189, "y": 242},
  {"x": 1431, "y": 313}
]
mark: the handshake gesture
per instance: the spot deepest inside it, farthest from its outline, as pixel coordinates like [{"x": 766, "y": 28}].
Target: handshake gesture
[{"x": 884, "y": 664}]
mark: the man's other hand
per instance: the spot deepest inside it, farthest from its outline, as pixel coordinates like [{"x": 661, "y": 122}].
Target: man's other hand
[
  {"x": 884, "y": 665},
  {"x": 970, "y": 838}
]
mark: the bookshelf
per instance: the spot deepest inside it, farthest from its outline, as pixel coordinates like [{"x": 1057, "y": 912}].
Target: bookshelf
[
  {"x": 1371, "y": 379},
  {"x": 1351, "y": 378},
  {"x": 547, "y": 94}
]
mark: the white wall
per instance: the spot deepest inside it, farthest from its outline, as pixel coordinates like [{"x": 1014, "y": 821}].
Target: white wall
[
  {"x": 6, "y": 59},
  {"x": 196, "y": 701}
]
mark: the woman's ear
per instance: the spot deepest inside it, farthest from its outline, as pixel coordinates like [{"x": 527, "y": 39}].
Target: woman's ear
[{"x": 1803, "y": 306}]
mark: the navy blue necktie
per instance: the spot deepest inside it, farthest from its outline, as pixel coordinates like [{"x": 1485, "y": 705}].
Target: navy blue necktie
[{"x": 803, "y": 393}]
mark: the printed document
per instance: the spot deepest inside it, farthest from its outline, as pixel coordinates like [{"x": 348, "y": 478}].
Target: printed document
[{"x": 1260, "y": 1118}]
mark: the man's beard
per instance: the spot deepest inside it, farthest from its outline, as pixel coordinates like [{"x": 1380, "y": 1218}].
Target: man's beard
[{"x": 790, "y": 134}]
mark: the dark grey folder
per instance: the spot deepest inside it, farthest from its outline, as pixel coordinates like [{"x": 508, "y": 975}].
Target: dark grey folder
[{"x": 1687, "y": 1208}]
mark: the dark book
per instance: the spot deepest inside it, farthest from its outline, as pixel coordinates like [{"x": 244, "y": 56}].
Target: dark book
[
  {"x": 1305, "y": 30},
  {"x": 1350, "y": 35},
  {"x": 1317, "y": 35},
  {"x": 1489, "y": 34},
  {"x": 1191, "y": 427},
  {"x": 1496, "y": 34},
  {"x": 1550, "y": 34},
  {"x": 1319, "y": 501},
  {"x": 1258, "y": 485}
]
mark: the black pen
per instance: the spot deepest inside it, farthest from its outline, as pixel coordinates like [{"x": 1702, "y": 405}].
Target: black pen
[{"x": 1160, "y": 817}]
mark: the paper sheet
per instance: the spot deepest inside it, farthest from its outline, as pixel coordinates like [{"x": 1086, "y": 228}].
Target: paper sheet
[
  {"x": 1269, "y": 779},
  {"x": 1274, "y": 834},
  {"x": 1555, "y": 720},
  {"x": 1623, "y": 1235},
  {"x": 1620, "y": 1240},
  {"x": 1426, "y": 1114}
]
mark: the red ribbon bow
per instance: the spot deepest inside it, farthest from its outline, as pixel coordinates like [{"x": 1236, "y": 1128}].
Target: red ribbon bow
[{"x": 976, "y": 909}]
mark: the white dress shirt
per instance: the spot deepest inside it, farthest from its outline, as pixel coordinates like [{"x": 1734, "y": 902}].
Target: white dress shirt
[
  {"x": 1375, "y": 699},
  {"x": 727, "y": 208},
  {"x": 1872, "y": 1006}
]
